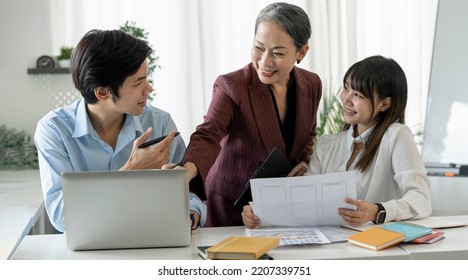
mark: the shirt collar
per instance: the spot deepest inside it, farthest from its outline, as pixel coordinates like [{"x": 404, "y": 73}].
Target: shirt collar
[
  {"x": 132, "y": 127},
  {"x": 350, "y": 139},
  {"x": 83, "y": 124}
]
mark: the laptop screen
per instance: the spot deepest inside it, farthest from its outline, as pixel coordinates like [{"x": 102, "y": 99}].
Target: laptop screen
[{"x": 126, "y": 209}]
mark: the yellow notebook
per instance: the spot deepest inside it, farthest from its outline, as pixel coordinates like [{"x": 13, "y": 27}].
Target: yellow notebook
[
  {"x": 242, "y": 248},
  {"x": 376, "y": 238}
]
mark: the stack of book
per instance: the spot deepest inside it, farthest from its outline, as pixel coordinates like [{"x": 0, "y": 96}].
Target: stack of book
[
  {"x": 410, "y": 231},
  {"x": 435, "y": 236},
  {"x": 378, "y": 238},
  {"x": 240, "y": 248}
]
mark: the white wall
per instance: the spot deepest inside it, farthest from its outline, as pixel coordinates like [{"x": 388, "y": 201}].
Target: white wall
[
  {"x": 445, "y": 135},
  {"x": 24, "y": 98}
]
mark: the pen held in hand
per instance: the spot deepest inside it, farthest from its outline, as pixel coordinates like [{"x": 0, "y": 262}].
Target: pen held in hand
[{"x": 155, "y": 141}]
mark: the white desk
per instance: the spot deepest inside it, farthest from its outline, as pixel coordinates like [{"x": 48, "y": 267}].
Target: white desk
[
  {"x": 21, "y": 206},
  {"x": 39, "y": 247},
  {"x": 453, "y": 246}
]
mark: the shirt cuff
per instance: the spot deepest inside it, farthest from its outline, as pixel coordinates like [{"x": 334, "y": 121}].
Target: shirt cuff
[{"x": 198, "y": 206}]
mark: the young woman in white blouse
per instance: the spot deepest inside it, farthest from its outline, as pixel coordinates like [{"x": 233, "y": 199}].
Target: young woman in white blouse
[{"x": 391, "y": 183}]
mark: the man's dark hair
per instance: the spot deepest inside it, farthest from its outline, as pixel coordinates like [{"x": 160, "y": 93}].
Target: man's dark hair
[{"x": 105, "y": 59}]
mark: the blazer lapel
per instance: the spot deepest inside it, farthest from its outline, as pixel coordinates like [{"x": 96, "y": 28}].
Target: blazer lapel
[
  {"x": 264, "y": 113},
  {"x": 303, "y": 116}
]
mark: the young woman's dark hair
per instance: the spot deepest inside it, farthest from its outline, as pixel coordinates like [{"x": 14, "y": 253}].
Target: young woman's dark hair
[
  {"x": 377, "y": 78},
  {"x": 97, "y": 61}
]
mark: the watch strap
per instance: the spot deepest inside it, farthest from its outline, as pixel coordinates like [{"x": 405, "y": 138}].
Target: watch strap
[{"x": 381, "y": 214}]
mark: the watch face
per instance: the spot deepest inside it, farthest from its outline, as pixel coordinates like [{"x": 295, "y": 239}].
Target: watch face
[
  {"x": 381, "y": 217},
  {"x": 45, "y": 61}
]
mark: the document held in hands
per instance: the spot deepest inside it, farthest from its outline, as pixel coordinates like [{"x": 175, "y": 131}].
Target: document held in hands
[{"x": 302, "y": 200}]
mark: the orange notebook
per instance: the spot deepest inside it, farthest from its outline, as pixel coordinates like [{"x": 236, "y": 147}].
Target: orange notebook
[
  {"x": 376, "y": 238},
  {"x": 242, "y": 248}
]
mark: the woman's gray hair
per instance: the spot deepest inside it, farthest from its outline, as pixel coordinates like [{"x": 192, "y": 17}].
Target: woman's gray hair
[{"x": 292, "y": 19}]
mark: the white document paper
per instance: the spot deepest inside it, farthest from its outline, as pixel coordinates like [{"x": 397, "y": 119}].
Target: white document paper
[
  {"x": 291, "y": 235},
  {"x": 304, "y": 235},
  {"x": 302, "y": 200}
]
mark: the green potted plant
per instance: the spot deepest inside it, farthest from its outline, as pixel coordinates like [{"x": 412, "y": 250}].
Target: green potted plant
[
  {"x": 131, "y": 28},
  {"x": 17, "y": 150},
  {"x": 330, "y": 119},
  {"x": 64, "y": 56}
]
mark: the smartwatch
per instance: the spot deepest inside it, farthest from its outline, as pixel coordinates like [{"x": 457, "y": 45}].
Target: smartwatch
[{"x": 381, "y": 214}]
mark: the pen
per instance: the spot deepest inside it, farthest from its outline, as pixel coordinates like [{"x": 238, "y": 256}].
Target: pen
[{"x": 155, "y": 141}]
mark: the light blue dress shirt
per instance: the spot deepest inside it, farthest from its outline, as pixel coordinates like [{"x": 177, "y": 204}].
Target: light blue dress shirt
[{"x": 66, "y": 141}]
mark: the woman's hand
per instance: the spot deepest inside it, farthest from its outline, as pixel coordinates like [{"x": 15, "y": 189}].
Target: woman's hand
[
  {"x": 365, "y": 212},
  {"x": 299, "y": 169},
  {"x": 151, "y": 157},
  {"x": 192, "y": 170},
  {"x": 249, "y": 218},
  {"x": 172, "y": 165}
]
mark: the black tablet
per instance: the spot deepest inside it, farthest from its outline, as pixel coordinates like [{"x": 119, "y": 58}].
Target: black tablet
[{"x": 275, "y": 165}]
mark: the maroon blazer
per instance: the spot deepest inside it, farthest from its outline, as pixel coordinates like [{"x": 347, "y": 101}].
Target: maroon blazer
[{"x": 239, "y": 131}]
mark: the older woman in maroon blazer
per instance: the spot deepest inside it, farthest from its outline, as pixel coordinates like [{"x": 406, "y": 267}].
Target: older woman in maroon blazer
[{"x": 268, "y": 103}]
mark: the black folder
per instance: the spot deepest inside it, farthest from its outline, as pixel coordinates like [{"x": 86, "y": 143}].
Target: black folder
[{"x": 275, "y": 165}]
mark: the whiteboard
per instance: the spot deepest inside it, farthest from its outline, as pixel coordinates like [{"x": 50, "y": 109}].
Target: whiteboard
[{"x": 446, "y": 127}]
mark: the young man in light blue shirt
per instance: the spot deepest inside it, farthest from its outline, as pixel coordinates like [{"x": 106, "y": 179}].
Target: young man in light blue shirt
[{"x": 104, "y": 129}]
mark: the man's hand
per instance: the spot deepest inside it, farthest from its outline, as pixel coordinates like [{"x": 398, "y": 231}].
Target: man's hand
[
  {"x": 152, "y": 157},
  {"x": 195, "y": 220}
]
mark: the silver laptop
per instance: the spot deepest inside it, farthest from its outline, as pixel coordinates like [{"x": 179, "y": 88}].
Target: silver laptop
[{"x": 126, "y": 209}]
